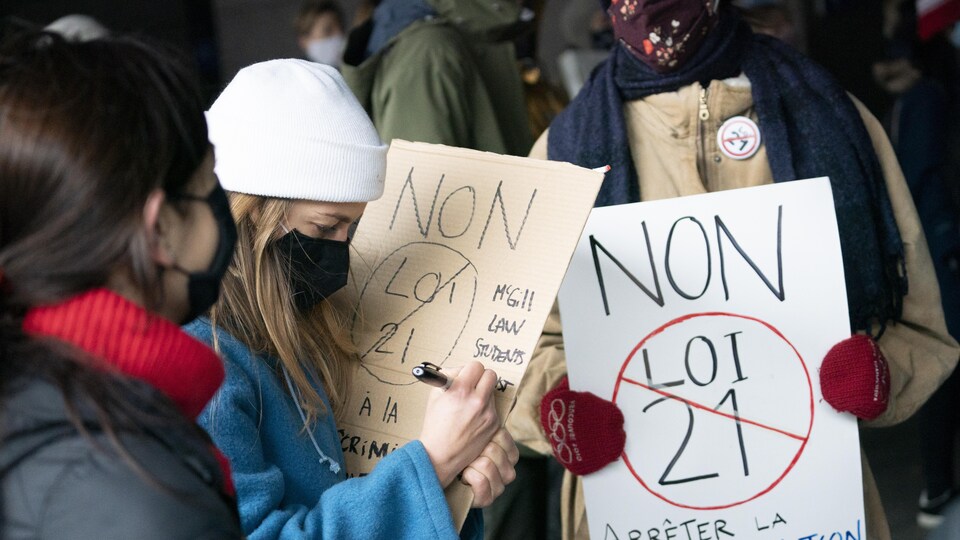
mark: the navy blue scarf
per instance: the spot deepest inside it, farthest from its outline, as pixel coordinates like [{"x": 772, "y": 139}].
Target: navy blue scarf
[{"x": 810, "y": 127}]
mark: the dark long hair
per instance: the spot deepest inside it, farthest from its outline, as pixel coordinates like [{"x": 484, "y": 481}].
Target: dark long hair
[{"x": 87, "y": 132}]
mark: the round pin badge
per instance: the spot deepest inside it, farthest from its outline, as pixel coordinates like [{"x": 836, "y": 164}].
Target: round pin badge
[{"x": 739, "y": 138}]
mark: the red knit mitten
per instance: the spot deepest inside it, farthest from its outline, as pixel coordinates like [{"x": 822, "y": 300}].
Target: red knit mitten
[
  {"x": 585, "y": 431},
  {"x": 855, "y": 378}
]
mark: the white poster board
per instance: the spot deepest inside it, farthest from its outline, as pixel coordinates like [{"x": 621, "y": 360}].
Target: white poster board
[{"x": 705, "y": 318}]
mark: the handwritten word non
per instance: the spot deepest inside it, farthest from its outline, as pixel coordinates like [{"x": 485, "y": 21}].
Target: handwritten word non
[
  {"x": 457, "y": 221},
  {"x": 655, "y": 292}
]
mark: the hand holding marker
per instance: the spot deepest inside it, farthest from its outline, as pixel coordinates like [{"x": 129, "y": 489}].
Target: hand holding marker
[
  {"x": 458, "y": 421},
  {"x": 430, "y": 374},
  {"x": 490, "y": 472}
]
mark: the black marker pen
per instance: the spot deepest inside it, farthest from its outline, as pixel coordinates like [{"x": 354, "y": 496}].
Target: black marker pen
[{"x": 430, "y": 374}]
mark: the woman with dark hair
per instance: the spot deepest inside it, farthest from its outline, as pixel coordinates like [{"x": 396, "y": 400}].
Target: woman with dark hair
[{"x": 113, "y": 230}]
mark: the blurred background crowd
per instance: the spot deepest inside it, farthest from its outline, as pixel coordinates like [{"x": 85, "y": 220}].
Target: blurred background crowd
[{"x": 900, "y": 63}]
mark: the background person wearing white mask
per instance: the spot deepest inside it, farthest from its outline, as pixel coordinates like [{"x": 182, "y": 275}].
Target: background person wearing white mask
[{"x": 320, "y": 33}]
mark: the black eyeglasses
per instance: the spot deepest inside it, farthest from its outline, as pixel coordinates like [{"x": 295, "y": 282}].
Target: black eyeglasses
[{"x": 197, "y": 198}]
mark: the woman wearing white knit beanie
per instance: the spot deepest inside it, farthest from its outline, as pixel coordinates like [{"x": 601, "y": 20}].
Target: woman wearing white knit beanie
[{"x": 301, "y": 159}]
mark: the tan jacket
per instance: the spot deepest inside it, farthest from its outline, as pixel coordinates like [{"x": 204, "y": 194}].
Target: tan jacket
[{"x": 677, "y": 155}]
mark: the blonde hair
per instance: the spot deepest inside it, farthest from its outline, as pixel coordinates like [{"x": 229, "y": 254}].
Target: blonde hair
[{"x": 256, "y": 307}]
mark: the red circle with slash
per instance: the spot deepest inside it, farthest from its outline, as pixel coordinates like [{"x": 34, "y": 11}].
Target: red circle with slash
[
  {"x": 739, "y": 138},
  {"x": 802, "y": 438}
]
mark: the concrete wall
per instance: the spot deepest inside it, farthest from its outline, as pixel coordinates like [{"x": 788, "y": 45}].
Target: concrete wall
[{"x": 251, "y": 31}]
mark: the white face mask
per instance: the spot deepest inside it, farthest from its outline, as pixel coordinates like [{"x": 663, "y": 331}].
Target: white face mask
[{"x": 326, "y": 51}]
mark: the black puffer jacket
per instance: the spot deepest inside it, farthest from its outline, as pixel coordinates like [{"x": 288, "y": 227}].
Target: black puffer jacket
[{"x": 58, "y": 483}]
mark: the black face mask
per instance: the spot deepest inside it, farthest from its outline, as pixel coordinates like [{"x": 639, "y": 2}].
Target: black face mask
[
  {"x": 203, "y": 288},
  {"x": 318, "y": 267}
]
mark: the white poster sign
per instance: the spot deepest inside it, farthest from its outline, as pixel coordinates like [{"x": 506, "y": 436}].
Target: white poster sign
[{"x": 705, "y": 320}]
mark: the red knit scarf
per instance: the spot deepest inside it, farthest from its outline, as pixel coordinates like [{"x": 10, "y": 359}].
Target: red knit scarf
[{"x": 138, "y": 344}]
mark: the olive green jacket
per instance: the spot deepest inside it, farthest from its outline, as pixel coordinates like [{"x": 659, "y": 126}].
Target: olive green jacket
[{"x": 447, "y": 80}]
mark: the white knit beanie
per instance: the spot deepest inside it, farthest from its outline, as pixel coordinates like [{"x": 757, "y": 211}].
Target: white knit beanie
[{"x": 292, "y": 129}]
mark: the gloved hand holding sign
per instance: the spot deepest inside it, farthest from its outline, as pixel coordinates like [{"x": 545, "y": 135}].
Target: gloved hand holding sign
[
  {"x": 585, "y": 431},
  {"x": 855, "y": 378}
]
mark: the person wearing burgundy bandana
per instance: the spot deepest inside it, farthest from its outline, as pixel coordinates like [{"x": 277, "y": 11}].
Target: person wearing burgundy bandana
[
  {"x": 652, "y": 112},
  {"x": 113, "y": 231},
  {"x": 301, "y": 159}
]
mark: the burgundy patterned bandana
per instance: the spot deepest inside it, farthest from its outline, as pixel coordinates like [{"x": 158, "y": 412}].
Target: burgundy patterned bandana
[{"x": 663, "y": 33}]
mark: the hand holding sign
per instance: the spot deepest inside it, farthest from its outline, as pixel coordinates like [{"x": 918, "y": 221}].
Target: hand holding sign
[
  {"x": 707, "y": 334},
  {"x": 855, "y": 378},
  {"x": 585, "y": 431},
  {"x": 492, "y": 471}
]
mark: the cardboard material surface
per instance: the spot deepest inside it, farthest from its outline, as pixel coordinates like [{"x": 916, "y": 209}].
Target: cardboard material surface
[
  {"x": 459, "y": 260},
  {"x": 705, "y": 319}
]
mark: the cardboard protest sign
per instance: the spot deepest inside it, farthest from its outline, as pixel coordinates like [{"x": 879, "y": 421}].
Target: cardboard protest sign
[
  {"x": 459, "y": 260},
  {"x": 705, "y": 319}
]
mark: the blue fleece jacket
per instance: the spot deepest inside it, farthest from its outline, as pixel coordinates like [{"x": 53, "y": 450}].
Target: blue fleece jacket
[{"x": 289, "y": 488}]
